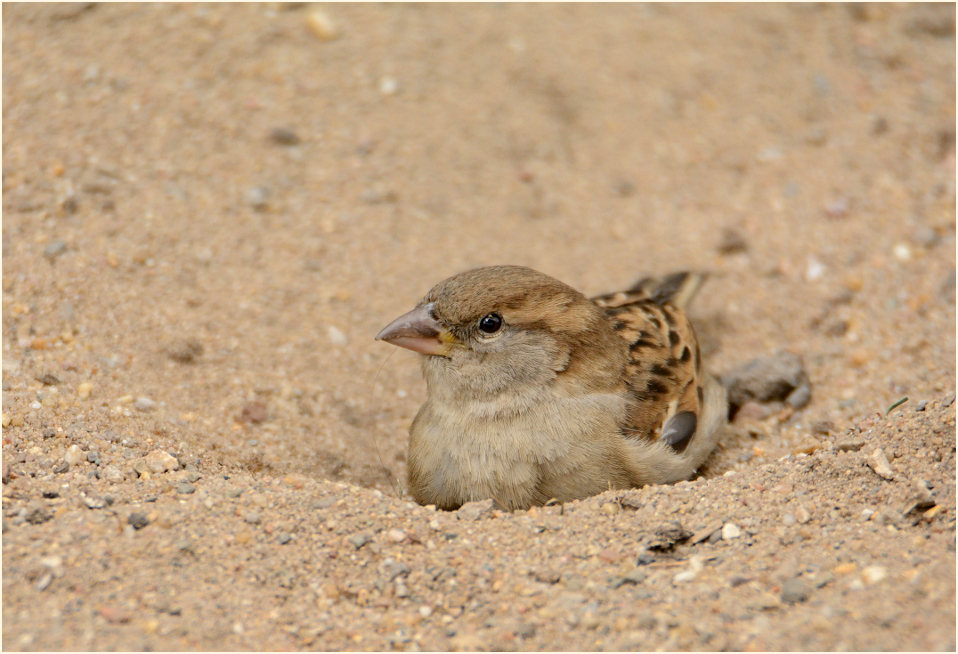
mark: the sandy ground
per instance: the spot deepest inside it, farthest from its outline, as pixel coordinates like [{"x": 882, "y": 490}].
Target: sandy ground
[{"x": 209, "y": 211}]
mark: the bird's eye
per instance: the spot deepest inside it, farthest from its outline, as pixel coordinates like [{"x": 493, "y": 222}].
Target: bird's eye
[{"x": 490, "y": 323}]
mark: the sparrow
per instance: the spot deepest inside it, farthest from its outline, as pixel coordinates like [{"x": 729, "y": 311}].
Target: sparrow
[{"x": 537, "y": 393}]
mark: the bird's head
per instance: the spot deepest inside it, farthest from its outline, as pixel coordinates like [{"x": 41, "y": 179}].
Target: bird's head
[{"x": 498, "y": 328}]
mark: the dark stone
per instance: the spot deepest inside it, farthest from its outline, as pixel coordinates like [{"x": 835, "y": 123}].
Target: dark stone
[
  {"x": 138, "y": 520},
  {"x": 767, "y": 379}
]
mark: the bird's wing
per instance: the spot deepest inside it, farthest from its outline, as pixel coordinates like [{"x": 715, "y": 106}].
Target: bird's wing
[{"x": 663, "y": 372}]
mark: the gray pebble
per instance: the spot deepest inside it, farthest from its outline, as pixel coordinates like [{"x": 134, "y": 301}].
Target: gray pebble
[
  {"x": 324, "y": 502},
  {"x": 732, "y": 242},
  {"x": 922, "y": 405},
  {"x": 392, "y": 569},
  {"x": 799, "y": 397},
  {"x": 38, "y": 513},
  {"x": 59, "y": 468},
  {"x": 634, "y": 578},
  {"x": 138, "y": 520},
  {"x": 94, "y": 502},
  {"x": 525, "y": 630},
  {"x": 765, "y": 379},
  {"x": 54, "y": 249},
  {"x": 184, "y": 488},
  {"x": 258, "y": 198},
  {"x": 358, "y": 540},
  {"x": 112, "y": 474},
  {"x": 284, "y": 538},
  {"x": 253, "y": 517},
  {"x": 49, "y": 432},
  {"x": 284, "y": 136},
  {"x": 193, "y": 477},
  {"x": 475, "y": 510},
  {"x": 185, "y": 351},
  {"x": 645, "y": 558},
  {"x": 234, "y": 492},
  {"x": 794, "y": 590},
  {"x": 93, "y": 456},
  {"x": 926, "y": 236}
]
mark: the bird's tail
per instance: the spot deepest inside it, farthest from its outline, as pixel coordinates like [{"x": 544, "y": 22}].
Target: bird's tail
[{"x": 677, "y": 289}]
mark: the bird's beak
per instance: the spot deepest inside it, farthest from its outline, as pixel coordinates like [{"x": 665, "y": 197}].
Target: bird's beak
[{"x": 418, "y": 331}]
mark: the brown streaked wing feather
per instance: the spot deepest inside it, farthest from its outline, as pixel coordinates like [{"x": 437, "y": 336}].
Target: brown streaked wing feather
[{"x": 662, "y": 363}]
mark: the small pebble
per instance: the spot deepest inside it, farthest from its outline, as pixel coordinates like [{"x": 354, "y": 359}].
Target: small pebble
[
  {"x": 59, "y": 468},
  {"x": 732, "y": 242},
  {"x": 926, "y": 237},
  {"x": 6, "y": 472},
  {"x": 84, "y": 390},
  {"x": 253, "y": 517},
  {"x": 336, "y": 336},
  {"x": 185, "y": 351},
  {"x": 184, "y": 488},
  {"x": 396, "y": 535},
  {"x": 284, "y": 136},
  {"x": 74, "y": 455},
  {"x": 358, "y": 540},
  {"x": 159, "y": 462},
  {"x": 730, "y": 530},
  {"x": 94, "y": 502},
  {"x": 388, "y": 85},
  {"x": 138, "y": 520},
  {"x": 794, "y": 590},
  {"x": 253, "y": 412},
  {"x": 144, "y": 404},
  {"x": 815, "y": 270},
  {"x": 879, "y": 463},
  {"x": 38, "y": 513},
  {"x": 282, "y": 539},
  {"x": 93, "y": 456},
  {"x": 258, "y": 198},
  {"x": 873, "y": 574},
  {"x": 902, "y": 252},
  {"x": 609, "y": 508},
  {"x": 634, "y": 578},
  {"x": 321, "y": 25},
  {"x": 54, "y": 249},
  {"x": 695, "y": 567}
]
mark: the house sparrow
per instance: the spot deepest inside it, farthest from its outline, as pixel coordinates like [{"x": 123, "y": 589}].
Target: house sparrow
[{"x": 536, "y": 392}]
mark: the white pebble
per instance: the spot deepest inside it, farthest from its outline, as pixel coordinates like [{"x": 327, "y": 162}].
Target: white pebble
[
  {"x": 695, "y": 567},
  {"x": 74, "y": 455},
  {"x": 159, "y": 462},
  {"x": 396, "y": 535},
  {"x": 425, "y": 611},
  {"x": 815, "y": 270},
  {"x": 902, "y": 252},
  {"x": 336, "y": 336},
  {"x": 873, "y": 574},
  {"x": 388, "y": 85},
  {"x": 321, "y": 25},
  {"x": 144, "y": 404},
  {"x": 730, "y": 531}
]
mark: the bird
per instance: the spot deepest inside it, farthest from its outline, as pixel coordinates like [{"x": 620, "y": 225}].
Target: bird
[{"x": 539, "y": 394}]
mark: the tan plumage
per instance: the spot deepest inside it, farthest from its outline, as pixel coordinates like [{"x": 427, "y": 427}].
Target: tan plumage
[{"x": 536, "y": 392}]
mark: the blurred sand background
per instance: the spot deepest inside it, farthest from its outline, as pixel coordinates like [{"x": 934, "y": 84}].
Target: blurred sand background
[{"x": 210, "y": 210}]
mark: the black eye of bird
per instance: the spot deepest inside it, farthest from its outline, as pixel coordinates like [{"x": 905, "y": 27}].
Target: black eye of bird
[{"x": 490, "y": 323}]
